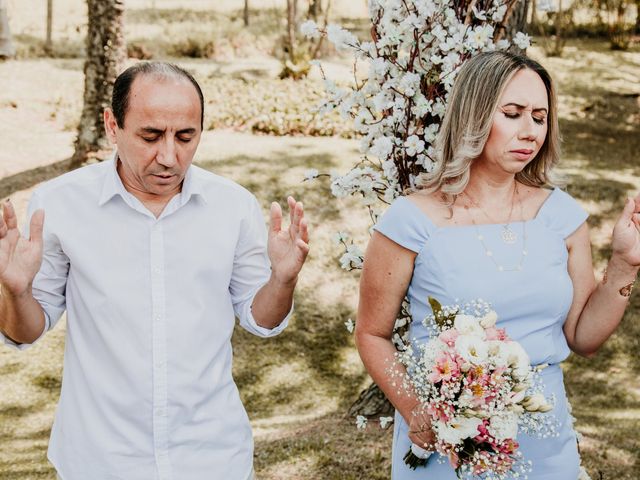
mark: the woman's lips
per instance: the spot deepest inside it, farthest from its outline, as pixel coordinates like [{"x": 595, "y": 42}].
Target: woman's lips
[{"x": 522, "y": 154}]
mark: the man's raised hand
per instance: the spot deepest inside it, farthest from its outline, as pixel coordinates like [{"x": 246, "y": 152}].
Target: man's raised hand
[
  {"x": 20, "y": 258},
  {"x": 288, "y": 248}
]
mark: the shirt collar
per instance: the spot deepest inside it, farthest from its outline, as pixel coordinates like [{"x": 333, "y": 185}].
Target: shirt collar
[{"x": 112, "y": 185}]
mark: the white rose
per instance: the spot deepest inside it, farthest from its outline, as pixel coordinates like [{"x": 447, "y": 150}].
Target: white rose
[
  {"x": 468, "y": 325},
  {"x": 489, "y": 320},
  {"x": 457, "y": 430},
  {"x": 472, "y": 348},
  {"x": 503, "y": 425}
]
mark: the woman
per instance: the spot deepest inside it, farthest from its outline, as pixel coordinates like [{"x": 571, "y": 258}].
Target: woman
[{"x": 483, "y": 225}]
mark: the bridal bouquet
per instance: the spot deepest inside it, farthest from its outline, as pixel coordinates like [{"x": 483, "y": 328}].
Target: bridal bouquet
[{"x": 477, "y": 387}]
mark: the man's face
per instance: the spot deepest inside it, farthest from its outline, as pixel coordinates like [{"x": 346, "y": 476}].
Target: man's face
[{"x": 159, "y": 138}]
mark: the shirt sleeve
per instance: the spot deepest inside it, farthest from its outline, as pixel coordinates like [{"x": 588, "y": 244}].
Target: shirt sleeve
[
  {"x": 404, "y": 223},
  {"x": 566, "y": 216},
  {"x": 251, "y": 270},
  {"x": 50, "y": 282}
]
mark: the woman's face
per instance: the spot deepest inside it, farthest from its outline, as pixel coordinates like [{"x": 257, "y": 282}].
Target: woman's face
[{"x": 519, "y": 124}]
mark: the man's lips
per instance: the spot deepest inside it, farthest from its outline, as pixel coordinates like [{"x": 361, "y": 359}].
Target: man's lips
[{"x": 163, "y": 177}]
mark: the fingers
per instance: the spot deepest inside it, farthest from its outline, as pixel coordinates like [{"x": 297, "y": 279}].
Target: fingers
[
  {"x": 304, "y": 231},
  {"x": 36, "y": 226},
  {"x": 630, "y": 215},
  {"x": 10, "y": 215},
  {"x": 3, "y": 225},
  {"x": 635, "y": 216},
  {"x": 276, "y": 217},
  {"x": 422, "y": 439},
  {"x": 303, "y": 247},
  {"x": 292, "y": 207},
  {"x": 298, "y": 228}
]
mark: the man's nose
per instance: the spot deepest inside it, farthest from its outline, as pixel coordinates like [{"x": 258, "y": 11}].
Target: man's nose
[{"x": 167, "y": 155}]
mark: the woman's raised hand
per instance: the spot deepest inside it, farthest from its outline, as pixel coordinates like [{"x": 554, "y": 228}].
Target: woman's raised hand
[{"x": 626, "y": 233}]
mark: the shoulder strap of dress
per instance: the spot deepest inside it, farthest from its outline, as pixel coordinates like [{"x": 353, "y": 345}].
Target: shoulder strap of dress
[
  {"x": 406, "y": 224},
  {"x": 562, "y": 213}
]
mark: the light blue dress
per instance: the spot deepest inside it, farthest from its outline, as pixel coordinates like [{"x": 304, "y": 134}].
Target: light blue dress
[{"x": 532, "y": 303}]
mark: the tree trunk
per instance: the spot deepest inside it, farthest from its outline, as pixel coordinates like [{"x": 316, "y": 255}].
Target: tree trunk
[
  {"x": 48, "y": 44},
  {"x": 246, "y": 13},
  {"x": 315, "y": 9},
  {"x": 533, "y": 20},
  {"x": 372, "y": 403},
  {"x": 516, "y": 21},
  {"x": 105, "y": 56},
  {"x": 291, "y": 27},
  {"x": 637, "y": 17},
  {"x": 6, "y": 45}
]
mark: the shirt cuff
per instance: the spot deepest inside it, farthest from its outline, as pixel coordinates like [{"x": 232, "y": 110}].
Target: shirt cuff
[
  {"x": 23, "y": 346},
  {"x": 264, "y": 332}
]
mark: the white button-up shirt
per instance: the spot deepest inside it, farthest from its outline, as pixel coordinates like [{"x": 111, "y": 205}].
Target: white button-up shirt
[{"x": 147, "y": 390}]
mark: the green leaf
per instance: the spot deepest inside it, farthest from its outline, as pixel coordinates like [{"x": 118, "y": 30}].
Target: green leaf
[
  {"x": 435, "y": 306},
  {"x": 438, "y": 316}
]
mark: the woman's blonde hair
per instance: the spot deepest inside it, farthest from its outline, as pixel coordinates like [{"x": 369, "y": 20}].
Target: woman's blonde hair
[{"x": 468, "y": 120}]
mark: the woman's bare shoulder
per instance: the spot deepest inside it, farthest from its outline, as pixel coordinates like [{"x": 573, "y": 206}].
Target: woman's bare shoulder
[
  {"x": 432, "y": 205},
  {"x": 532, "y": 199}
]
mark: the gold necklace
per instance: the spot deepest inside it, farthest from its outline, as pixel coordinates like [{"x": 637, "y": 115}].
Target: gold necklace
[
  {"x": 489, "y": 253},
  {"x": 507, "y": 235}
]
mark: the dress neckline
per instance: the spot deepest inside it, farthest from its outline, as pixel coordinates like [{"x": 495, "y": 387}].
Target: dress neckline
[{"x": 518, "y": 222}]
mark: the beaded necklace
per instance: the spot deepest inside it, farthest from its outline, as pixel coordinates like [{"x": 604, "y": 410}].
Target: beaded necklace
[
  {"x": 507, "y": 234},
  {"x": 489, "y": 252}
]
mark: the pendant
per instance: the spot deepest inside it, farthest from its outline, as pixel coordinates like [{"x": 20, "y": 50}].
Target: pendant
[{"x": 508, "y": 235}]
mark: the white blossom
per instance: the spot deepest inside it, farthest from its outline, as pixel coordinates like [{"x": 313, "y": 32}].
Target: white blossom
[
  {"x": 341, "y": 38},
  {"x": 480, "y": 15},
  {"x": 352, "y": 258},
  {"x": 498, "y": 15},
  {"x": 522, "y": 40},
  {"x": 385, "y": 421},
  {"x": 349, "y": 325},
  {"x": 382, "y": 147},
  {"x": 414, "y": 145},
  {"x": 479, "y": 36},
  {"x": 310, "y": 29},
  {"x": 361, "y": 422}
]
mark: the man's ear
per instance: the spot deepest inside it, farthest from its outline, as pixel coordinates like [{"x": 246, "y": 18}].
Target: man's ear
[{"x": 110, "y": 125}]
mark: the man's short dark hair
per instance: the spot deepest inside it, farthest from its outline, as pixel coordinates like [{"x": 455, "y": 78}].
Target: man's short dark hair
[{"x": 122, "y": 86}]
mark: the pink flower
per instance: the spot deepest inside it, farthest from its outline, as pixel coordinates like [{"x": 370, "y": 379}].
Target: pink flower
[
  {"x": 496, "y": 334},
  {"x": 449, "y": 337},
  {"x": 445, "y": 368},
  {"x": 440, "y": 411}
]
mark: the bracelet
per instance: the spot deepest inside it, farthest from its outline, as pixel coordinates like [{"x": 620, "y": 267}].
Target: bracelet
[{"x": 624, "y": 291}]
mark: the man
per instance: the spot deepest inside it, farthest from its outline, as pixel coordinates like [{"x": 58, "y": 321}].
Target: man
[{"x": 151, "y": 257}]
